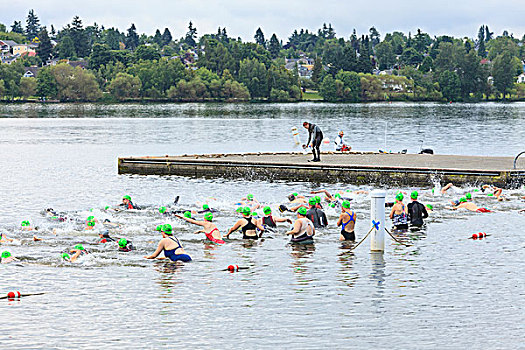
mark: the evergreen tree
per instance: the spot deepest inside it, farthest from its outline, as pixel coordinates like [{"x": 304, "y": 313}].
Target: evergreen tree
[
  {"x": 45, "y": 48},
  {"x": 53, "y": 31},
  {"x": 46, "y": 85},
  {"x": 79, "y": 36},
  {"x": 259, "y": 38},
  {"x": 191, "y": 35},
  {"x": 488, "y": 34},
  {"x": 132, "y": 39},
  {"x": 421, "y": 41},
  {"x": 317, "y": 71},
  {"x": 348, "y": 60},
  {"x": 66, "y": 48},
  {"x": 505, "y": 68},
  {"x": 374, "y": 36},
  {"x": 274, "y": 46},
  {"x": 364, "y": 65},
  {"x": 166, "y": 37},
  {"x": 32, "y": 25},
  {"x": 17, "y": 27},
  {"x": 482, "y": 52},
  {"x": 157, "y": 39},
  {"x": 450, "y": 85}
]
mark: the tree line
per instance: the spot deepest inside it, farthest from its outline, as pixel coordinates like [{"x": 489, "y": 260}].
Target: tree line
[{"x": 129, "y": 66}]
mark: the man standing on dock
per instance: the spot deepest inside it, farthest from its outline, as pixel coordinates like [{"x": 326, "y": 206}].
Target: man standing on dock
[{"x": 316, "y": 136}]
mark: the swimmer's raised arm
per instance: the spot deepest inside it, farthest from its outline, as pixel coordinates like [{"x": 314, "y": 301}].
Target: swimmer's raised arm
[
  {"x": 160, "y": 247},
  {"x": 195, "y": 222},
  {"x": 234, "y": 228}
]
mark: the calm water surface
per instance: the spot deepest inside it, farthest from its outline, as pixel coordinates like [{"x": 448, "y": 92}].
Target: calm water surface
[{"x": 443, "y": 291}]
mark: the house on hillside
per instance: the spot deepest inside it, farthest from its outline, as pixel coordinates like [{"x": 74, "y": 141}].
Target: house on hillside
[
  {"x": 521, "y": 78},
  {"x": 31, "y": 72},
  {"x": 9, "y": 59},
  {"x": 305, "y": 66},
  {"x": 6, "y": 46},
  {"x": 22, "y": 48},
  {"x": 82, "y": 64}
]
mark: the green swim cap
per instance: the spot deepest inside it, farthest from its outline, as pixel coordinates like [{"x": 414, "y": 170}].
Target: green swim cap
[
  {"x": 162, "y": 210},
  {"x": 490, "y": 194},
  {"x": 302, "y": 211},
  {"x": 65, "y": 256},
  {"x": 249, "y": 197},
  {"x": 267, "y": 210},
  {"x": 468, "y": 195},
  {"x": 126, "y": 197},
  {"x": 205, "y": 207},
  {"x": 106, "y": 207},
  {"x": 295, "y": 194},
  {"x": 475, "y": 190},
  {"x": 208, "y": 217},
  {"x": 54, "y": 217},
  {"x": 331, "y": 205},
  {"x": 79, "y": 247},
  {"x": 187, "y": 214},
  {"x": 430, "y": 206},
  {"x": 254, "y": 213},
  {"x": 312, "y": 201},
  {"x": 167, "y": 229},
  {"x": 414, "y": 195},
  {"x": 239, "y": 210},
  {"x": 159, "y": 228},
  {"x": 399, "y": 197},
  {"x": 346, "y": 204},
  {"x": 462, "y": 199},
  {"x": 6, "y": 254},
  {"x": 246, "y": 211},
  {"x": 26, "y": 223},
  {"x": 90, "y": 218},
  {"x": 90, "y": 223},
  {"x": 317, "y": 199},
  {"x": 122, "y": 242},
  {"x": 337, "y": 195}
]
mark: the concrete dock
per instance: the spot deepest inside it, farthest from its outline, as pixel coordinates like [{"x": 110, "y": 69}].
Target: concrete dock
[{"x": 354, "y": 168}]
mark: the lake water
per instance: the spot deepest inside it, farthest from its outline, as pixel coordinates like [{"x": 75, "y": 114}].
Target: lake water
[{"x": 443, "y": 291}]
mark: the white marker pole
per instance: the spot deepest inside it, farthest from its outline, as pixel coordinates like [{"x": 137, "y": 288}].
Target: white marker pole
[{"x": 377, "y": 220}]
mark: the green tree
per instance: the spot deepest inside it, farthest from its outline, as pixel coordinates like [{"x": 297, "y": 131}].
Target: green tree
[
  {"x": 27, "y": 87},
  {"x": 146, "y": 53},
  {"x": 505, "y": 68},
  {"x": 2, "y": 88},
  {"x": 16, "y": 27},
  {"x": 351, "y": 90},
  {"x": 45, "y": 48},
  {"x": 191, "y": 35},
  {"x": 132, "y": 38},
  {"x": 79, "y": 37},
  {"x": 374, "y": 36},
  {"x": 277, "y": 95},
  {"x": 2, "y": 28},
  {"x": 259, "y": 38},
  {"x": 11, "y": 74},
  {"x": 157, "y": 39},
  {"x": 274, "y": 46},
  {"x": 125, "y": 86},
  {"x": 426, "y": 65},
  {"x": 253, "y": 75},
  {"x": 66, "y": 48},
  {"x": 450, "y": 85},
  {"x": 385, "y": 55},
  {"x": 75, "y": 84},
  {"x": 501, "y": 45},
  {"x": 166, "y": 37},
  {"x": 482, "y": 52},
  {"x": 46, "y": 84},
  {"x": 100, "y": 55},
  {"x": 422, "y": 41},
  {"x": 317, "y": 72},
  {"x": 364, "y": 64},
  {"x": 411, "y": 57},
  {"x": 32, "y": 25},
  {"x": 328, "y": 90},
  {"x": 470, "y": 73}
]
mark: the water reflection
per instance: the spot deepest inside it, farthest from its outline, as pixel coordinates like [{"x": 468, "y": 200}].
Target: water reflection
[
  {"x": 378, "y": 271},
  {"x": 346, "y": 273},
  {"x": 301, "y": 254},
  {"x": 168, "y": 273}
]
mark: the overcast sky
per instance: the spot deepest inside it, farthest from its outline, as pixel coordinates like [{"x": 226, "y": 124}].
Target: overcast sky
[{"x": 242, "y": 17}]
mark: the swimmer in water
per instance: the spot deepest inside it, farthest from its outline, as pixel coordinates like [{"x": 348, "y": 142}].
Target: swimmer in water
[
  {"x": 90, "y": 223},
  {"x": 125, "y": 246},
  {"x": 4, "y": 239},
  {"x": 316, "y": 215},
  {"x": 248, "y": 225},
  {"x": 398, "y": 214},
  {"x": 77, "y": 251},
  {"x": 210, "y": 229},
  {"x": 127, "y": 203},
  {"x": 26, "y": 226},
  {"x": 347, "y": 221},
  {"x": 416, "y": 211},
  {"x": 463, "y": 204},
  {"x": 269, "y": 222},
  {"x": 295, "y": 198},
  {"x": 251, "y": 202},
  {"x": 303, "y": 229},
  {"x": 171, "y": 246},
  {"x": 105, "y": 238},
  {"x": 6, "y": 258}
]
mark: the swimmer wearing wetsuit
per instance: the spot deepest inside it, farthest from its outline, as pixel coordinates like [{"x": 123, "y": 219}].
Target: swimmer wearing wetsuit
[
  {"x": 125, "y": 246},
  {"x": 303, "y": 229},
  {"x": 127, "y": 203},
  {"x": 248, "y": 225},
  {"x": 105, "y": 238},
  {"x": 171, "y": 247},
  {"x": 316, "y": 215},
  {"x": 416, "y": 211},
  {"x": 316, "y": 136},
  {"x": 210, "y": 229},
  {"x": 269, "y": 222},
  {"x": 347, "y": 222}
]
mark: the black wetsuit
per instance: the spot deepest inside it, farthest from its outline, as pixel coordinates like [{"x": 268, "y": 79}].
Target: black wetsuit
[
  {"x": 269, "y": 223},
  {"x": 317, "y": 216},
  {"x": 416, "y": 213},
  {"x": 316, "y": 135}
]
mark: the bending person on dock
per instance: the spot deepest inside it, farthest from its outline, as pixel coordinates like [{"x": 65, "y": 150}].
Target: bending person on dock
[
  {"x": 210, "y": 229},
  {"x": 315, "y": 135}
]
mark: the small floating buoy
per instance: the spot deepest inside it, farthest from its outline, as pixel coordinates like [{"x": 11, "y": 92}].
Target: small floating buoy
[
  {"x": 474, "y": 236},
  {"x": 13, "y": 295},
  {"x": 233, "y": 268}
]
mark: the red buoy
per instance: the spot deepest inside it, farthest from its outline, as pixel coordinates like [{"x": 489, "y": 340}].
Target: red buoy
[
  {"x": 233, "y": 268},
  {"x": 13, "y": 295},
  {"x": 474, "y": 236}
]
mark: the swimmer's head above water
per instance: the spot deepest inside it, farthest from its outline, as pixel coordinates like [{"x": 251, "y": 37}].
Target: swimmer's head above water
[
  {"x": 208, "y": 217},
  {"x": 267, "y": 210}
]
